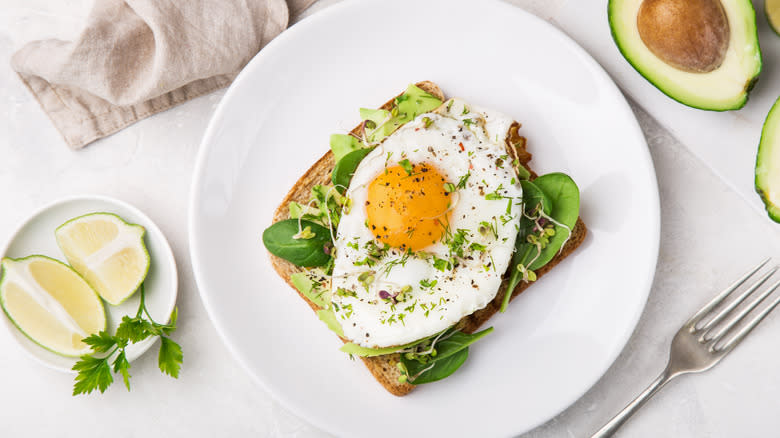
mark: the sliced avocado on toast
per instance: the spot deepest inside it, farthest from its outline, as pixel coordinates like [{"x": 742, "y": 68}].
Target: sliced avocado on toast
[{"x": 701, "y": 53}]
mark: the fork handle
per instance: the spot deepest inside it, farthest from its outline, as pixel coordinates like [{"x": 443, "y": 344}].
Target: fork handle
[{"x": 614, "y": 424}]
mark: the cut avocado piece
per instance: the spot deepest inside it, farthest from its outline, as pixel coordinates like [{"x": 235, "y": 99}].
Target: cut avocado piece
[
  {"x": 342, "y": 144},
  {"x": 768, "y": 163},
  {"x": 772, "y": 11},
  {"x": 701, "y": 53},
  {"x": 379, "y": 123},
  {"x": 413, "y": 102}
]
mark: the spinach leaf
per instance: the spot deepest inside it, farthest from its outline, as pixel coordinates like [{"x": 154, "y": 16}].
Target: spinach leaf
[
  {"x": 450, "y": 355},
  {"x": 441, "y": 368},
  {"x": 345, "y": 168},
  {"x": 565, "y": 197},
  {"x": 533, "y": 196},
  {"x": 307, "y": 252},
  {"x": 458, "y": 341},
  {"x": 560, "y": 199}
]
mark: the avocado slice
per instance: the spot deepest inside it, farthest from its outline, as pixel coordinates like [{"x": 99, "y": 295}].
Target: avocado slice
[
  {"x": 772, "y": 12},
  {"x": 768, "y": 163},
  {"x": 701, "y": 53},
  {"x": 413, "y": 102},
  {"x": 342, "y": 144}
]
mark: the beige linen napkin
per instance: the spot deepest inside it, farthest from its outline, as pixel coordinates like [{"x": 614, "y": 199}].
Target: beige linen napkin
[{"x": 136, "y": 58}]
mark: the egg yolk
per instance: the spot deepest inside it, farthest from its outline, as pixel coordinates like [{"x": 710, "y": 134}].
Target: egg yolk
[{"x": 408, "y": 210}]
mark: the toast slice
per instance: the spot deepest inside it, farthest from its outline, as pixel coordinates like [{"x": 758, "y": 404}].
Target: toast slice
[{"x": 384, "y": 367}]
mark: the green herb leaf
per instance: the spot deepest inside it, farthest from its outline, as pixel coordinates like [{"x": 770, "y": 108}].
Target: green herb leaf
[
  {"x": 169, "y": 328},
  {"x": 278, "y": 239},
  {"x": 426, "y": 284},
  {"x": 121, "y": 366},
  {"x": 477, "y": 247},
  {"x": 440, "y": 264},
  {"x": 101, "y": 342},
  {"x": 135, "y": 329},
  {"x": 462, "y": 181},
  {"x": 93, "y": 374},
  {"x": 170, "y": 357},
  {"x": 406, "y": 165}
]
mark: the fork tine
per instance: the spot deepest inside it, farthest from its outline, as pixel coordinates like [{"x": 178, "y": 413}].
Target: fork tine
[
  {"x": 741, "y": 315},
  {"x": 744, "y": 331},
  {"x": 732, "y": 305},
  {"x": 691, "y": 323}
]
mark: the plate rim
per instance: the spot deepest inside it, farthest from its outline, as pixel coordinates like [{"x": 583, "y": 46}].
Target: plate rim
[
  {"x": 332, "y": 10},
  {"x": 170, "y": 260}
]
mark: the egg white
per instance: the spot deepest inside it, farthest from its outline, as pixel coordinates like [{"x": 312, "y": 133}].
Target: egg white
[{"x": 371, "y": 321}]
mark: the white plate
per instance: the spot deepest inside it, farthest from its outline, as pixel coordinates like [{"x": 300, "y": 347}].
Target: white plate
[
  {"x": 555, "y": 341},
  {"x": 36, "y": 236}
]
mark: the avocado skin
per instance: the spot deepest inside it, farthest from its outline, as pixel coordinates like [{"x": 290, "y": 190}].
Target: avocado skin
[
  {"x": 749, "y": 84},
  {"x": 764, "y": 145}
]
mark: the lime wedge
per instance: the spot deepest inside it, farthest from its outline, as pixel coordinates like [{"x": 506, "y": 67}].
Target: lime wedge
[
  {"x": 772, "y": 9},
  {"x": 108, "y": 252},
  {"x": 51, "y": 304}
]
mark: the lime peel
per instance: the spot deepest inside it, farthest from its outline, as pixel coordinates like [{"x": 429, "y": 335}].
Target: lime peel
[{"x": 44, "y": 317}]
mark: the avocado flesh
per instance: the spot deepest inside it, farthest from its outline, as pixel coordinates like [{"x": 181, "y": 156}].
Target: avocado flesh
[
  {"x": 768, "y": 163},
  {"x": 723, "y": 88}
]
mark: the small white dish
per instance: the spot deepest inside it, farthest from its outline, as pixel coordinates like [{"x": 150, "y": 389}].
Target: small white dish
[{"x": 36, "y": 236}]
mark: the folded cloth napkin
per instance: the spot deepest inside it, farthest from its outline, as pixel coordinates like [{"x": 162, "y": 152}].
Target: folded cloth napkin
[{"x": 136, "y": 58}]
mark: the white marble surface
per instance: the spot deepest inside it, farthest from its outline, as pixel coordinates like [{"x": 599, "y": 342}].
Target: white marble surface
[{"x": 709, "y": 234}]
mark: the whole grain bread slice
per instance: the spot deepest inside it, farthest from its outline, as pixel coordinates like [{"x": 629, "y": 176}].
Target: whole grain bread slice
[{"x": 384, "y": 368}]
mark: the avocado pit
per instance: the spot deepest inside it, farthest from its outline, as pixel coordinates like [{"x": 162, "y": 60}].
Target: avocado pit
[{"x": 690, "y": 35}]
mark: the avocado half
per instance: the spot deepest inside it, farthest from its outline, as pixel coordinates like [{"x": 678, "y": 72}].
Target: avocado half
[
  {"x": 768, "y": 163},
  {"x": 701, "y": 53}
]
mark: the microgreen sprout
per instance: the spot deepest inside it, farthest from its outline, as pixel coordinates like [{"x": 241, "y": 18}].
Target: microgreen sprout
[
  {"x": 305, "y": 233},
  {"x": 463, "y": 179},
  {"x": 366, "y": 278}
]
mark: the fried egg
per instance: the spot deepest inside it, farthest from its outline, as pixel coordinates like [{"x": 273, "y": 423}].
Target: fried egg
[{"x": 434, "y": 213}]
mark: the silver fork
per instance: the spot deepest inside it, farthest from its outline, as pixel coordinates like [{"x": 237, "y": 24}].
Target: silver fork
[{"x": 702, "y": 342}]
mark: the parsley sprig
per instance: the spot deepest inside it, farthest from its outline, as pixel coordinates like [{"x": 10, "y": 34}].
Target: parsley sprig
[{"x": 95, "y": 373}]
